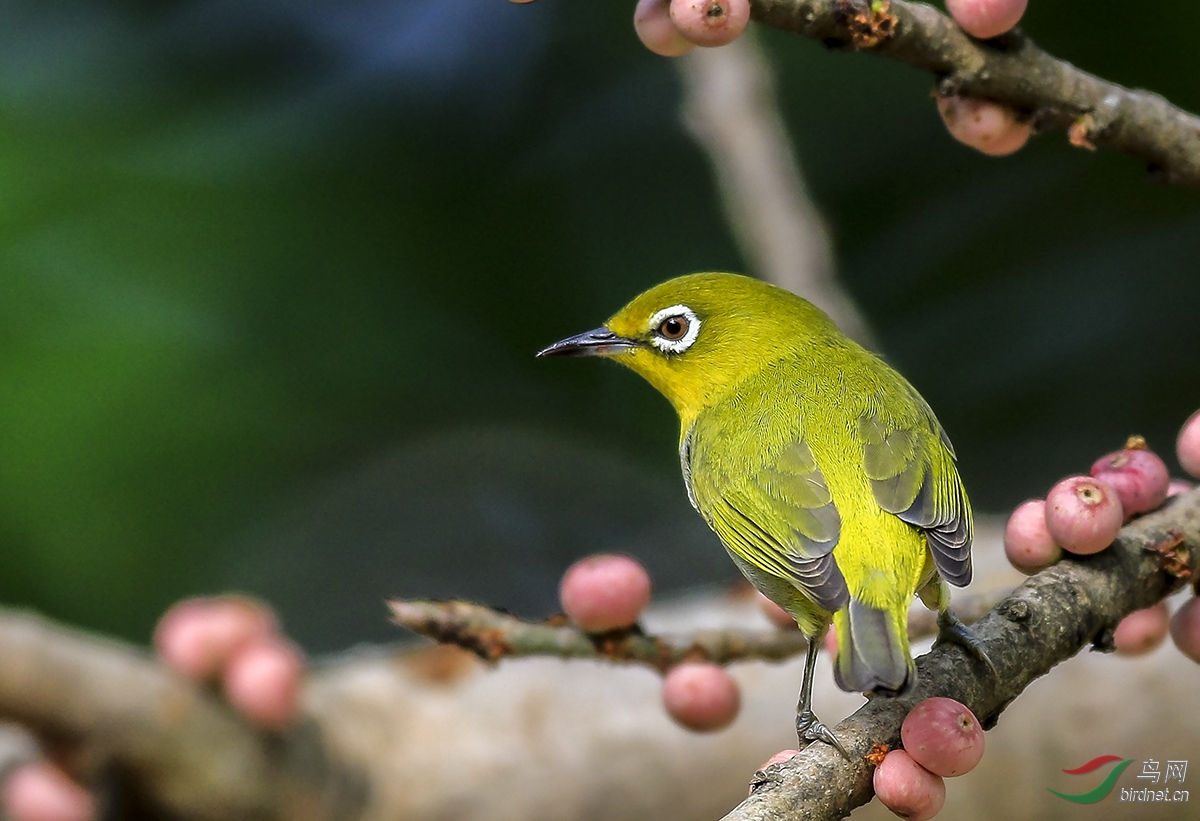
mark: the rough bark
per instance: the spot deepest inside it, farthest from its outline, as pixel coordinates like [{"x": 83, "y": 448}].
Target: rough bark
[
  {"x": 1045, "y": 621},
  {"x": 1010, "y": 69}
]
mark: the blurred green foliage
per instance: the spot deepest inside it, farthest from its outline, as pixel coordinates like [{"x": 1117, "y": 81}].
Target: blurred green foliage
[{"x": 272, "y": 274}]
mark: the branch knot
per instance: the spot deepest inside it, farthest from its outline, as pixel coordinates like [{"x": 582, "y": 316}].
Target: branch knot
[{"x": 869, "y": 24}]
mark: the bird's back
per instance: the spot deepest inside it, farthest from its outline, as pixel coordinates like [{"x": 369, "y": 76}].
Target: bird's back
[{"x": 820, "y": 401}]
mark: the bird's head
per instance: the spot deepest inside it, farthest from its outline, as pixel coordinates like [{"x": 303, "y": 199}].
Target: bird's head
[{"x": 695, "y": 337}]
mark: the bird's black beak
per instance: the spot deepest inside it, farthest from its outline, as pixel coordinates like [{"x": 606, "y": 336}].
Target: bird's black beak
[{"x": 592, "y": 343}]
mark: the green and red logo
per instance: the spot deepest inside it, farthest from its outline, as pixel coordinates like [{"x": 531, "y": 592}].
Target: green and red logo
[{"x": 1104, "y": 787}]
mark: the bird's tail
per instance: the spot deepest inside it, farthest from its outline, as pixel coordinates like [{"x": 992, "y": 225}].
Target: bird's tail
[{"x": 873, "y": 650}]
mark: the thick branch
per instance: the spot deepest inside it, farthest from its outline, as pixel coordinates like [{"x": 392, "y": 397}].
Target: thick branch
[
  {"x": 1045, "y": 621},
  {"x": 1010, "y": 69}
]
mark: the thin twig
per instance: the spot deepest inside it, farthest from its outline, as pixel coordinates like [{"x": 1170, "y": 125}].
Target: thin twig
[
  {"x": 1009, "y": 69},
  {"x": 493, "y": 635}
]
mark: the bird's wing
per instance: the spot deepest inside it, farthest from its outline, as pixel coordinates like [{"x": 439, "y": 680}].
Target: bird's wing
[
  {"x": 910, "y": 463},
  {"x": 779, "y": 518}
]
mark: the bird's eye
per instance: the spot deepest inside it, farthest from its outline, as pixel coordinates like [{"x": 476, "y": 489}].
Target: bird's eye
[{"x": 673, "y": 327}]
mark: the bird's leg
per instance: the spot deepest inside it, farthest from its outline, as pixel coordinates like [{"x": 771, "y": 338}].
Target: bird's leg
[
  {"x": 808, "y": 728},
  {"x": 951, "y": 629}
]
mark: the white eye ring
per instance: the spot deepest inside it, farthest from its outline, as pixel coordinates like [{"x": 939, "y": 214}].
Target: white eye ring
[{"x": 684, "y": 342}]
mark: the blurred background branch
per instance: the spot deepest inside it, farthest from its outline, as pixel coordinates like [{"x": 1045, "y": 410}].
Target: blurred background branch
[
  {"x": 420, "y": 733},
  {"x": 730, "y": 108}
]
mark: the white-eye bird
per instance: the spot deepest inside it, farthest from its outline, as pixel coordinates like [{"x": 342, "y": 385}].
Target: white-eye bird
[{"x": 824, "y": 473}]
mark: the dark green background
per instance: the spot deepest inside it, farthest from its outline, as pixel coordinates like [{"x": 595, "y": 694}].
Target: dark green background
[{"x": 272, "y": 274}]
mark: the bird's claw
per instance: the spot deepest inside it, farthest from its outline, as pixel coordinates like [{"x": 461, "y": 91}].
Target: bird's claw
[
  {"x": 952, "y": 630},
  {"x": 809, "y": 729}
]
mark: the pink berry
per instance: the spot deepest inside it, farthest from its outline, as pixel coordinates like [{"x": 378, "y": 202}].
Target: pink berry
[
  {"x": 1138, "y": 476},
  {"x": 983, "y": 125},
  {"x": 605, "y": 592},
  {"x": 1083, "y": 514},
  {"x": 263, "y": 682},
  {"x": 1188, "y": 445},
  {"x": 43, "y": 792},
  {"x": 1027, "y": 541},
  {"x": 1185, "y": 629},
  {"x": 943, "y": 736},
  {"x": 652, "y": 22},
  {"x": 1142, "y": 630},
  {"x": 830, "y": 643},
  {"x": 778, "y": 616},
  {"x": 1177, "y": 486},
  {"x": 908, "y": 789},
  {"x": 197, "y": 637},
  {"x": 701, "y": 696},
  {"x": 779, "y": 758},
  {"x": 710, "y": 22},
  {"x": 986, "y": 18}
]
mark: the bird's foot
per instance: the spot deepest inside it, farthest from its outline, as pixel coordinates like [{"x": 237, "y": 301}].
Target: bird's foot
[
  {"x": 952, "y": 630},
  {"x": 809, "y": 729}
]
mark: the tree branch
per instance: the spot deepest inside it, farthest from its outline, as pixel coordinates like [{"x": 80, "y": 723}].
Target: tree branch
[
  {"x": 391, "y": 734},
  {"x": 1045, "y": 621},
  {"x": 732, "y": 112},
  {"x": 186, "y": 751},
  {"x": 1009, "y": 69},
  {"x": 492, "y": 635}
]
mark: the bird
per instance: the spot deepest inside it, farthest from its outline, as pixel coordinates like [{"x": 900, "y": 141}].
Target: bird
[{"x": 825, "y": 475}]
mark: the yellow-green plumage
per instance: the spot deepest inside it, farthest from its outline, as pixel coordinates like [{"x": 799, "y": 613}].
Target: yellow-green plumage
[{"x": 824, "y": 473}]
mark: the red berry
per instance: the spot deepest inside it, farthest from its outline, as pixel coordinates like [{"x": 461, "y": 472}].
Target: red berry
[
  {"x": 830, "y": 643},
  {"x": 1185, "y": 629},
  {"x": 710, "y": 22},
  {"x": 1177, "y": 486},
  {"x": 1138, "y": 476},
  {"x": 943, "y": 736},
  {"x": 40, "y": 790},
  {"x": 1142, "y": 630},
  {"x": 1083, "y": 514},
  {"x": 908, "y": 789},
  {"x": 701, "y": 696},
  {"x": 1027, "y": 541},
  {"x": 605, "y": 592},
  {"x": 263, "y": 681},
  {"x": 652, "y": 22},
  {"x": 986, "y": 18},
  {"x": 983, "y": 125},
  {"x": 1187, "y": 447},
  {"x": 779, "y": 758},
  {"x": 197, "y": 637}
]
